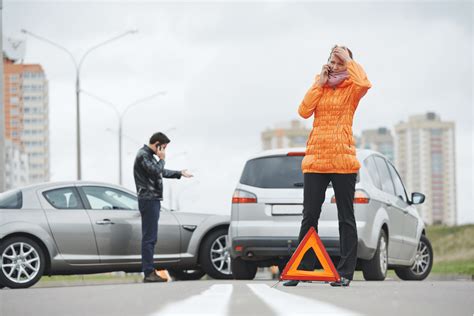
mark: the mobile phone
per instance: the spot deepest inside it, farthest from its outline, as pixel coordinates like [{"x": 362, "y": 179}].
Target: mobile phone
[{"x": 158, "y": 146}]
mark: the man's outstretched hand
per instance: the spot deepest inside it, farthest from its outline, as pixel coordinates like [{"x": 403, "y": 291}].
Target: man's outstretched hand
[{"x": 186, "y": 174}]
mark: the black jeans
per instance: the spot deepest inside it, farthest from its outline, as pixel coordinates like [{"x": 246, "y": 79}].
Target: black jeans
[
  {"x": 150, "y": 211},
  {"x": 315, "y": 185}
]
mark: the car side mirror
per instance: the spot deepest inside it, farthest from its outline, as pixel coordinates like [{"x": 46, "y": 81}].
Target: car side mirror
[{"x": 417, "y": 198}]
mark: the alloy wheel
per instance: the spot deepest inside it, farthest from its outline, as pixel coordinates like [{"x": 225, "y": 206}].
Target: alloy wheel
[
  {"x": 383, "y": 256},
  {"x": 20, "y": 262},
  {"x": 220, "y": 255},
  {"x": 422, "y": 259}
]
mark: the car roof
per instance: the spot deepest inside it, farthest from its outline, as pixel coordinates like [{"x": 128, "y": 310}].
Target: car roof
[
  {"x": 47, "y": 185},
  {"x": 361, "y": 153}
]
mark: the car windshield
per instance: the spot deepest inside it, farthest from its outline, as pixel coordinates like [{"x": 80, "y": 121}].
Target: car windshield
[{"x": 11, "y": 199}]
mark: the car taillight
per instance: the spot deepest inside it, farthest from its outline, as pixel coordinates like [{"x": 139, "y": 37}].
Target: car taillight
[
  {"x": 240, "y": 197},
  {"x": 295, "y": 153},
  {"x": 360, "y": 197}
]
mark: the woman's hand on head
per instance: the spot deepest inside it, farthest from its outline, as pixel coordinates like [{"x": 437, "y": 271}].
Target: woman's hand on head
[
  {"x": 323, "y": 76},
  {"x": 342, "y": 53}
]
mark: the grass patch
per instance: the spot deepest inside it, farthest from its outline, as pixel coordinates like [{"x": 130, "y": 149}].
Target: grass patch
[
  {"x": 454, "y": 267},
  {"x": 453, "y": 249}
]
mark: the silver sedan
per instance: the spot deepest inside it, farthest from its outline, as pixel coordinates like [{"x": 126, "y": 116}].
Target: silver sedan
[{"x": 89, "y": 227}]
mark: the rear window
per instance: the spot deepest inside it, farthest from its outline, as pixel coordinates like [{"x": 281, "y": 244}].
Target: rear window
[
  {"x": 276, "y": 172},
  {"x": 11, "y": 200}
]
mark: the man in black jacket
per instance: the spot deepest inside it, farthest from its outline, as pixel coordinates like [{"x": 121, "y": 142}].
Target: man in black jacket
[{"x": 149, "y": 174}]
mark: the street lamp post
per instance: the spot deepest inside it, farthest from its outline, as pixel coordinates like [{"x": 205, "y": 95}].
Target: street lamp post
[
  {"x": 2, "y": 111},
  {"x": 120, "y": 116},
  {"x": 77, "y": 66}
]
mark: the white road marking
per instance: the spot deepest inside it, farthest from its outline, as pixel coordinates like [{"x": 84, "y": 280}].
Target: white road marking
[
  {"x": 213, "y": 301},
  {"x": 283, "y": 303}
]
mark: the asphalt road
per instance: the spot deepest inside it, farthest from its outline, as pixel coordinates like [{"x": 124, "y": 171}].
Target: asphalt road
[{"x": 390, "y": 297}]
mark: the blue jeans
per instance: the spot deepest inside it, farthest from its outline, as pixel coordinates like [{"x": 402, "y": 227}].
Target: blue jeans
[{"x": 150, "y": 212}]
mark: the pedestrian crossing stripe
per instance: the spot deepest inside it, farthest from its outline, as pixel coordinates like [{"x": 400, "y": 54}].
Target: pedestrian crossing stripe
[
  {"x": 223, "y": 299},
  {"x": 311, "y": 240}
]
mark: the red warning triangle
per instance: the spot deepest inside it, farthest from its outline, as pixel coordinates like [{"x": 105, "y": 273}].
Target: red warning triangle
[{"x": 311, "y": 240}]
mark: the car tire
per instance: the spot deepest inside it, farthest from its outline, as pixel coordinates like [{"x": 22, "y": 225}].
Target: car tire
[
  {"x": 282, "y": 264},
  {"x": 22, "y": 262},
  {"x": 186, "y": 275},
  {"x": 375, "y": 269},
  {"x": 214, "y": 255},
  {"x": 421, "y": 268},
  {"x": 243, "y": 270}
]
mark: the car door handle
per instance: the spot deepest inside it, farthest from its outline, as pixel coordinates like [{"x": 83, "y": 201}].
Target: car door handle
[
  {"x": 388, "y": 204},
  {"x": 105, "y": 222}
]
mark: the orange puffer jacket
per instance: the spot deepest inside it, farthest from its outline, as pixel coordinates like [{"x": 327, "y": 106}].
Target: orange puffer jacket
[{"x": 330, "y": 147}]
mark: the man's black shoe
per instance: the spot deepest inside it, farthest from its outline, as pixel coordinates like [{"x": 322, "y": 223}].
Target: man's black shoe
[
  {"x": 343, "y": 282},
  {"x": 153, "y": 277},
  {"x": 291, "y": 283}
]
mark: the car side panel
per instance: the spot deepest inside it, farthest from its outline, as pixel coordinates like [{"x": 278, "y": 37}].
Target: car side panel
[
  {"x": 32, "y": 222},
  {"x": 189, "y": 257},
  {"x": 72, "y": 232},
  {"x": 414, "y": 230}
]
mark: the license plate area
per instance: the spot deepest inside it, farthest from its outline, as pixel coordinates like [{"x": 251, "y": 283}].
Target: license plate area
[{"x": 287, "y": 209}]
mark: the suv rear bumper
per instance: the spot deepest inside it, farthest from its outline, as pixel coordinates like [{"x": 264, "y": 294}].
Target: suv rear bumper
[{"x": 263, "y": 248}]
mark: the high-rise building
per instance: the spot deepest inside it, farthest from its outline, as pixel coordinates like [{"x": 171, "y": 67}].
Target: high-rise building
[
  {"x": 292, "y": 134},
  {"x": 16, "y": 167},
  {"x": 425, "y": 157},
  {"x": 27, "y": 115},
  {"x": 379, "y": 139}
]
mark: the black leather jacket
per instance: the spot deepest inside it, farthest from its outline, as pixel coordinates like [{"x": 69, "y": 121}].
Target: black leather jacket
[{"x": 149, "y": 174}]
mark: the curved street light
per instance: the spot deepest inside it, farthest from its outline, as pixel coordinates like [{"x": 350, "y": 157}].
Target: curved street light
[
  {"x": 77, "y": 65},
  {"x": 120, "y": 116}
]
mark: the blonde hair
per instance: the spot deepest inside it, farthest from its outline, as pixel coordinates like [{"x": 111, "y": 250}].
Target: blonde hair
[{"x": 336, "y": 46}]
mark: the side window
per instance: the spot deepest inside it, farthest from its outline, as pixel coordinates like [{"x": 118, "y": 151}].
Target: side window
[
  {"x": 103, "y": 198},
  {"x": 11, "y": 199},
  {"x": 399, "y": 188},
  {"x": 64, "y": 198},
  {"x": 385, "y": 178},
  {"x": 374, "y": 174}
]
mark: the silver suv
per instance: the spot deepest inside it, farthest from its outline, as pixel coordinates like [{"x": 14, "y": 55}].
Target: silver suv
[{"x": 267, "y": 210}]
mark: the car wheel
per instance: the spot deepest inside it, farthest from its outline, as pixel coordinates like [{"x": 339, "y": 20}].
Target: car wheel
[
  {"x": 421, "y": 268},
  {"x": 376, "y": 268},
  {"x": 22, "y": 262},
  {"x": 214, "y": 255},
  {"x": 243, "y": 270},
  {"x": 186, "y": 275}
]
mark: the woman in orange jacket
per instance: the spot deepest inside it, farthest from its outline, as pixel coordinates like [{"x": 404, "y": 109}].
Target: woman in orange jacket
[{"x": 331, "y": 154}]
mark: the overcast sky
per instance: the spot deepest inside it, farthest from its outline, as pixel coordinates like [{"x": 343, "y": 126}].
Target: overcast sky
[{"x": 232, "y": 69}]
